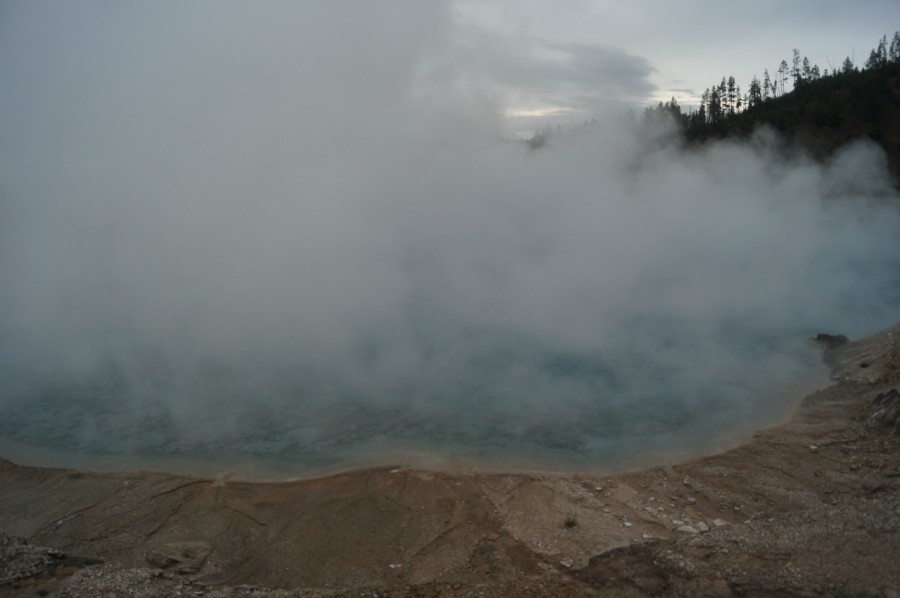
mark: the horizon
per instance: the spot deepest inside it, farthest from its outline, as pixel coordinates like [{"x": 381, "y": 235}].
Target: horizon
[
  {"x": 644, "y": 53},
  {"x": 560, "y": 63}
]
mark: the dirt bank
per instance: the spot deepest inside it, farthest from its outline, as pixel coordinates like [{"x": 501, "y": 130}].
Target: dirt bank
[{"x": 809, "y": 508}]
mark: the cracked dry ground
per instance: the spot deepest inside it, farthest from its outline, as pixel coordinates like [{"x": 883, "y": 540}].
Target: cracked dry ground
[{"x": 809, "y": 508}]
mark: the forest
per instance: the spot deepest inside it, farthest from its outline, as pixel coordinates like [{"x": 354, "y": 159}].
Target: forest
[{"x": 822, "y": 108}]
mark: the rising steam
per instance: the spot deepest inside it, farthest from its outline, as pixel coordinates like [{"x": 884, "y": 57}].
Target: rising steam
[{"x": 295, "y": 230}]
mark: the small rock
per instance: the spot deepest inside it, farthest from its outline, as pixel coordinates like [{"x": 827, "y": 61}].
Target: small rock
[
  {"x": 566, "y": 562},
  {"x": 691, "y": 500},
  {"x": 626, "y": 524},
  {"x": 719, "y": 522},
  {"x": 702, "y": 527},
  {"x": 646, "y": 536},
  {"x": 677, "y": 522},
  {"x": 688, "y": 529},
  {"x": 813, "y": 448},
  {"x": 395, "y": 565}
]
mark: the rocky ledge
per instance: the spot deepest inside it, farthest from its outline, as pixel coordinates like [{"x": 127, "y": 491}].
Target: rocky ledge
[{"x": 808, "y": 508}]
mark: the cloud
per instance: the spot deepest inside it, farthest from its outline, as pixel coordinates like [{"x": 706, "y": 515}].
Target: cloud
[
  {"x": 530, "y": 72},
  {"x": 294, "y": 233}
]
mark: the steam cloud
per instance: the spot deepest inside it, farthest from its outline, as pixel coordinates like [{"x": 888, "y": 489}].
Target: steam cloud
[{"x": 294, "y": 230}]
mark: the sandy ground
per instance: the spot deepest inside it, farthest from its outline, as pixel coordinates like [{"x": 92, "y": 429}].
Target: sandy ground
[{"x": 809, "y": 508}]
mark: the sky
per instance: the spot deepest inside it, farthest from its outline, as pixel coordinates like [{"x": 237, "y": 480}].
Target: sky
[
  {"x": 570, "y": 60},
  {"x": 587, "y": 53},
  {"x": 297, "y": 230}
]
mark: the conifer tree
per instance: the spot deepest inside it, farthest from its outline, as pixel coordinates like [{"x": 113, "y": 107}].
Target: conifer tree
[
  {"x": 873, "y": 62},
  {"x": 754, "y": 95},
  {"x": 732, "y": 94},
  {"x": 847, "y": 65},
  {"x": 795, "y": 71},
  {"x": 783, "y": 70}
]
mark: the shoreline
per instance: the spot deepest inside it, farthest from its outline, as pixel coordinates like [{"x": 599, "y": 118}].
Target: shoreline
[
  {"x": 808, "y": 507},
  {"x": 260, "y": 469}
]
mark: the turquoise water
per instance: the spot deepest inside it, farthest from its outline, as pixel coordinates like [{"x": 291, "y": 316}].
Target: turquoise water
[{"x": 609, "y": 419}]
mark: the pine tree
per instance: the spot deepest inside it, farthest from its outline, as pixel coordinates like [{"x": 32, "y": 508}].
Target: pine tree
[
  {"x": 723, "y": 96},
  {"x": 767, "y": 82},
  {"x": 754, "y": 95},
  {"x": 783, "y": 71},
  {"x": 795, "y": 71},
  {"x": 673, "y": 108},
  {"x": 715, "y": 106},
  {"x": 731, "y": 94},
  {"x": 873, "y": 62},
  {"x": 847, "y": 65},
  {"x": 754, "y": 87}
]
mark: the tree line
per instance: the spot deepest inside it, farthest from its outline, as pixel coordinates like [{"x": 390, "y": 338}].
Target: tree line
[{"x": 725, "y": 102}]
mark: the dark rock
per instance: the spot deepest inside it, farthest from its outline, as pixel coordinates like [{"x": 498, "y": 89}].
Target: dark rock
[
  {"x": 831, "y": 341},
  {"x": 885, "y": 410},
  {"x": 183, "y": 557}
]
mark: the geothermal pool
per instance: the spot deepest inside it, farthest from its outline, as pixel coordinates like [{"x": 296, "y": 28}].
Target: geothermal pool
[
  {"x": 597, "y": 420},
  {"x": 223, "y": 241}
]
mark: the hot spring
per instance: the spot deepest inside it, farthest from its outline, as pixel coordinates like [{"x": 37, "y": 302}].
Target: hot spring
[{"x": 227, "y": 239}]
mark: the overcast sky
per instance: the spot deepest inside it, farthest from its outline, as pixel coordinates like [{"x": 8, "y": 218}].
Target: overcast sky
[
  {"x": 587, "y": 52},
  {"x": 537, "y": 61}
]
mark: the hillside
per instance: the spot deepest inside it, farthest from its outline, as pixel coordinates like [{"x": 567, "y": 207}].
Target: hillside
[
  {"x": 819, "y": 113},
  {"x": 825, "y": 114}
]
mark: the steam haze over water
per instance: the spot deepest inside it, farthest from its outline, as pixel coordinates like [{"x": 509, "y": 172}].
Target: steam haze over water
[{"x": 295, "y": 233}]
